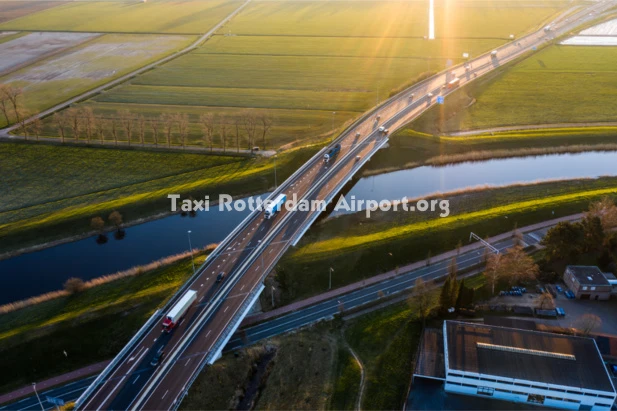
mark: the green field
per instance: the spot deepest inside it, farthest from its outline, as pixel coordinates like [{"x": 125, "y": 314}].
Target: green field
[
  {"x": 153, "y": 16},
  {"x": 357, "y": 247},
  {"x": 315, "y": 56},
  {"x": 561, "y": 84},
  {"x": 59, "y": 189},
  {"x": 10, "y": 10},
  {"x": 392, "y": 18}
]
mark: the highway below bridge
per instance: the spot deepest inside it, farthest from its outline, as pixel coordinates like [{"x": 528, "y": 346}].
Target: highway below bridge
[{"x": 253, "y": 248}]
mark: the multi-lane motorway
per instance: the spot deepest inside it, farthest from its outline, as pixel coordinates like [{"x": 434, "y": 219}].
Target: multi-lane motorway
[{"x": 246, "y": 256}]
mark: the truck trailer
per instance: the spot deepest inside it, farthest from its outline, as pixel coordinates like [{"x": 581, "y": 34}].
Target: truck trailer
[
  {"x": 275, "y": 206},
  {"x": 454, "y": 83},
  {"x": 175, "y": 315},
  {"x": 332, "y": 152}
]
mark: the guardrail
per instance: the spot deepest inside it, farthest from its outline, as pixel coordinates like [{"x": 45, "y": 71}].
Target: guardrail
[{"x": 84, "y": 396}]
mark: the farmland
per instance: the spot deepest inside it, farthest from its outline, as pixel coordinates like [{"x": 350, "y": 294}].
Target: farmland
[
  {"x": 577, "y": 86},
  {"x": 10, "y": 10},
  {"x": 59, "y": 189},
  {"x": 59, "y": 77},
  {"x": 323, "y": 63},
  {"x": 157, "y": 16}
]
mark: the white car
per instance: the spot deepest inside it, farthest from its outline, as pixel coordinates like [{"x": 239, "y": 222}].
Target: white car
[{"x": 382, "y": 129}]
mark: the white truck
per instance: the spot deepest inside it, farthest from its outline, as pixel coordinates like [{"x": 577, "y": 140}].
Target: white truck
[
  {"x": 275, "y": 206},
  {"x": 175, "y": 315}
]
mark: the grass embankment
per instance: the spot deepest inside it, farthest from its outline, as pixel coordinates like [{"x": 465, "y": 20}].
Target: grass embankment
[
  {"x": 90, "y": 326},
  {"x": 560, "y": 84},
  {"x": 158, "y": 16},
  {"x": 59, "y": 188},
  {"x": 299, "y": 63},
  {"x": 357, "y": 247},
  {"x": 409, "y": 148}
]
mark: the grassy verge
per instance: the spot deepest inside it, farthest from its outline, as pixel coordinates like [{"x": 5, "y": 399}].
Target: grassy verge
[
  {"x": 347, "y": 385},
  {"x": 357, "y": 247},
  {"x": 386, "y": 341},
  {"x": 90, "y": 326},
  {"x": 74, "y": 184}
]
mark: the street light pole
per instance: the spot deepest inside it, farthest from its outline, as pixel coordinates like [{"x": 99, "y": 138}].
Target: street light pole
[
  {"x": 330, "y": 280},
  {"x": 272, "y": 296},
  {"x": 191, "y": 248},
  {"x": 275, "y": 184},
  {"x": 37, "y": 396}
]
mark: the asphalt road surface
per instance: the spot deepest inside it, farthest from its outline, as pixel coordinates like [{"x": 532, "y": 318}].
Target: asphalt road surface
[{"x": 256, "y": 246}]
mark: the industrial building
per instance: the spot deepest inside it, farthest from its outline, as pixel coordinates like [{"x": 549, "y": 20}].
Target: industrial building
[
  {"x": 589, "y": 282},
  {"x": 520, "y": 366}
]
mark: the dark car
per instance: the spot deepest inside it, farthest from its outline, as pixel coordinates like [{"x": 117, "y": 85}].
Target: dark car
[
  {"x": 157, "y": 358},
  {"x": 220, "y": 277}
]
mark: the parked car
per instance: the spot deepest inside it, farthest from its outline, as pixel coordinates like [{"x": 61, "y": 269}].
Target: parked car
[
  {"x": 570, "y": 294},
  {"x": 559, "y": 289},
  {"x": 560, "y": 312}
]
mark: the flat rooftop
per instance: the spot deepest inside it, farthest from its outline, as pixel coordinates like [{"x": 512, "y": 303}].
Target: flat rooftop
[
  {"x": 430, "y": 361},
  {"x": 588, "y": 274},
  {"x": 526, "y": 355}
]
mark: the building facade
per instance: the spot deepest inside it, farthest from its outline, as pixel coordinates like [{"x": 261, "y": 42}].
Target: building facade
[{"x": 587, "y": 282}]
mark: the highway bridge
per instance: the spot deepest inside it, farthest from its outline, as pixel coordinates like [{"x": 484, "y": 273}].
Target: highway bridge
[{"x": 253, "y": 248}]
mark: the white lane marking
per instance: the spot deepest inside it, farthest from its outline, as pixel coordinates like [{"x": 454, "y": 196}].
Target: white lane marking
[
  {"x": 187, "y": 362},
  {"x": 122, "y": 379},
  {"x": 226, "y": 308},
  {"x": 135, "y": 380},
  {"x": 165, "y": 394},
  {"x": 209, "y": 331},
  {"x": 242, "y": 287},
  {"x": 133, "y": 357}
]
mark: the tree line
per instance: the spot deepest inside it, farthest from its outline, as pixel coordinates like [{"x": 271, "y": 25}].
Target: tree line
[{"x": 166, "y": 129}]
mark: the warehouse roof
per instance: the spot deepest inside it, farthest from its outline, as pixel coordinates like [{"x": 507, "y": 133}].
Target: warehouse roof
[
  {"x": 526, "y": 355},
  {"x": 588, "y": 274}
]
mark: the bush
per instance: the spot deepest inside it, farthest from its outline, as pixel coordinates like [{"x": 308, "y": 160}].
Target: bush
[{"x": 74, "y": 285}]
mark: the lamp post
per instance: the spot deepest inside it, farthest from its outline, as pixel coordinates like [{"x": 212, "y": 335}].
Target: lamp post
[
  {"x": 330, "y": 278},
  {"x": 191, "y": 248},
  {"x": 37, "y": 396}
]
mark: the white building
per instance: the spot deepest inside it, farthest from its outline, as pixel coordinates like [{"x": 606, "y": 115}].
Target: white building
[{"x": 524, "y": 366}]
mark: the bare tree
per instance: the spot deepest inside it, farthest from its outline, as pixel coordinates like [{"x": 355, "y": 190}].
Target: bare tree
[
  {"x": 606, "y": 211},
  {"x": 586, "y": 323},
  {"x": 518, "y": 266},
  {"x": 168, "y": 122},
  {"x": 99, "y": 127},
  {"x": 37, "y": 127},
  {"x": 114, "y": 130},
  {"x": 5, "y": 105},
  {"x": 74, "y": 285},
  {"x": 493, "y": 271},
  {"x": 421, "y": 300},
  {"x": 223, "y": 130},
  {"x": 74, "y": 122},
  {"x": 237, "y": 123},
  {"x": 12, "y": 95},
  {"x": 141, "y": 128},
  {"x": 266, "y": 124},
  {"x": 24, "y": 125},
  {"x": 183, "y": 125},
  {"x": 116, "y": 219},
  {"x": 249, "y": 122},
  {"x": 208, "y": 122},
  {"x": 155, "y": 125},
  {"x": 127, "y": 123},
  {"x": 89, "y": 122},
  {"x": 546, "y": 301},
  {"x": 61, "y": 123}
]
